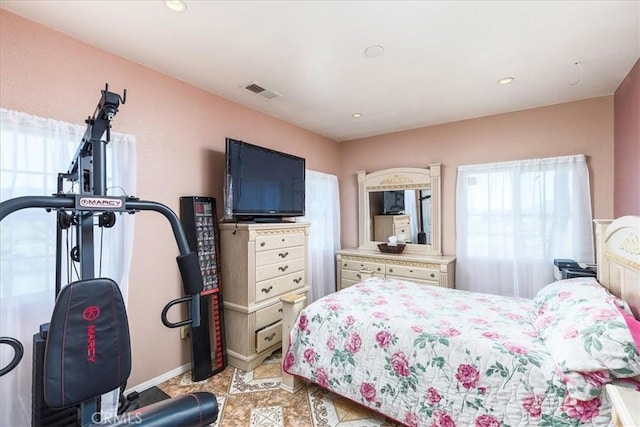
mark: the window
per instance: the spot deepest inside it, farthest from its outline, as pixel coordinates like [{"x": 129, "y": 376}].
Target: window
[
  {"x": 514, "y": 218},
  {"x": 33, "y": 151}
]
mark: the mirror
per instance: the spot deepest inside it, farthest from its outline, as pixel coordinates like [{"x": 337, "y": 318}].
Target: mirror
[
  {"x": 405, "y": 214},
  {"x": 400, "y": 202}
]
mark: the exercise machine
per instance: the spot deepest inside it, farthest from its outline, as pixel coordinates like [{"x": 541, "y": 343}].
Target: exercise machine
[{"x": 85, "y": 349}]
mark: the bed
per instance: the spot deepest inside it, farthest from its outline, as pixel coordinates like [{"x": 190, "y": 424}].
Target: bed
[{"x": 424, "y": 355}]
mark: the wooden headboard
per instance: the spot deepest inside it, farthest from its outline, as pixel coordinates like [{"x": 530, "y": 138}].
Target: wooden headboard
[{"x": 618, "y": 258}]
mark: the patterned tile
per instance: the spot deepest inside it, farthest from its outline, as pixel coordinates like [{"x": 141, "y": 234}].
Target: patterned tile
[
  {"x": 330, "y": 410},
  {"x": 255, "y": 399},
  {"x": 243, "y": 382},
  {"x": 348, "y": 411},
  {"x": 269, "y": 416}
]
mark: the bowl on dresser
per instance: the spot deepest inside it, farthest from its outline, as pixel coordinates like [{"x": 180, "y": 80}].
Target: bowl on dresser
[{"x": 391, "y": 249}]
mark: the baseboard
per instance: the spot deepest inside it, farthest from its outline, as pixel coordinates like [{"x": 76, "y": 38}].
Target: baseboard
[
  {"x": 159, "y": 379},
  {"x": 162, "y": 378}
]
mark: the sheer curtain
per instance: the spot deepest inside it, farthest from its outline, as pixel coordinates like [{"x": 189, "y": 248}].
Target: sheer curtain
[
  {"x": 411, "y": 209},
  {"x": 514, "y": 218},
  {"x": 32, "y": 152},
  {"x": 322, "y": 210}
]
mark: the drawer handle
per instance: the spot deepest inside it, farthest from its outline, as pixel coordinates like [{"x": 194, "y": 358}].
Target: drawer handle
[
  {"x": 298, "y": 280},
  {"x": 283, "y": 269},
  {"x": 358, "y": 276},
  {"x": 344, "y": 265},
  {"x": 267, "y": 290},
  {"x": 410, "y": 271},
  {"x": 283, "y": 239},
  {"x": 283, "y": 255},
  {"x": 433, "y": 275},
  {"x": 391, "y": 270},
  {"x": 379, "y": 269},
  {"x": 262, "y": 244},
  {"x": 279, "y": 310},
  {"x": 270, "y": 337}
]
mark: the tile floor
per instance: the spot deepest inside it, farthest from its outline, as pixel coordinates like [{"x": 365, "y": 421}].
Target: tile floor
[{"x": 248, "y": 399}]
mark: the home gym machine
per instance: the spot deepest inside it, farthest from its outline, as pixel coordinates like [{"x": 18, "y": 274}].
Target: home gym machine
[{"x": 85, "y": 351}]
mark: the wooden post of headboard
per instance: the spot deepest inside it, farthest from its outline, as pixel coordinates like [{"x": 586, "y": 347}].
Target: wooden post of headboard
[
  {"x": 601, "y": 251},
  {"x": 292, "y": 305},
  {"x": 619, "y": 259}
]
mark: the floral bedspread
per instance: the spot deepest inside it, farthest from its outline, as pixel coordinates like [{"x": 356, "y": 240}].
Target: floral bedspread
[{"x": 428, "y": 356}]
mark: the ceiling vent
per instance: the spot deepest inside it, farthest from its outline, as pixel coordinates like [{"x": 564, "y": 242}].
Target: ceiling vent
[{"x": 256, "y": 89}]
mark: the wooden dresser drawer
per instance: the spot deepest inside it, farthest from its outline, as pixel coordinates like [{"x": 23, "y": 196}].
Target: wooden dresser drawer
[
  {"x": 362, "y": 265},
  {"x": 279, "y": 255},
  {"x": 401, "y": 222},
  {"x": 351, "y": 275},
  {"x": 274, "y": 287},
  {"x": 268, "y": 336},
  {"x": 401, "y": 230},
  {"x": 411, "y": 272},
  {"x": 268, "y": 315},
  {"x": 345, "y": 283},
  {"x": 275, "y": 270},
  {"x": 277, "y": 241}
]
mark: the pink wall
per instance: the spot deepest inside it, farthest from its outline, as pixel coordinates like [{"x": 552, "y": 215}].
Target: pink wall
[
  {"x": 584, "y": 127},
  {"x": 180, "y": 133},
  {"x": 626, "y": 107}
]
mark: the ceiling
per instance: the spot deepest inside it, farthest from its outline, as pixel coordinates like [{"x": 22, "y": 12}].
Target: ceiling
[{"x": 441, "y": 60}]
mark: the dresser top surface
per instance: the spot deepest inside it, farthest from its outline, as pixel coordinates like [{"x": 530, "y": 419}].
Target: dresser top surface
[
  {"x": 262, "y": 226},
  {"x": 399, "y": 257}
]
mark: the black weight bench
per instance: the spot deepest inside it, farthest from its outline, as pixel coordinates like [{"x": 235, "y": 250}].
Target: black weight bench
[{"x": 88, "y": 353}]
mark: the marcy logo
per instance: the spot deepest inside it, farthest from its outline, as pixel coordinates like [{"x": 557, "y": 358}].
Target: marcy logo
[
  {"x": 98, "y": 202},
  {"x": 91, "y": 313}
]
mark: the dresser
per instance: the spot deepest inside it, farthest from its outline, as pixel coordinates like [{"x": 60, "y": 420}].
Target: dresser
[
  {"x": 435, "y": 270},
  {"x": 390, "y": 225},
  {"x": 259, "y": 263}
]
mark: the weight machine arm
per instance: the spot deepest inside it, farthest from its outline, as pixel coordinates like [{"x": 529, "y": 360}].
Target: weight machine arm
[{"x": 192, "y": 280}]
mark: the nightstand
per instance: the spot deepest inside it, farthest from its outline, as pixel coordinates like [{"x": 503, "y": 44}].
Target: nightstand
[{"x": 626, "y": 406}]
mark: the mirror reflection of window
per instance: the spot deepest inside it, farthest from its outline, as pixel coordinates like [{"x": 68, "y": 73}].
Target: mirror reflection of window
[
  {"x": 411, "y": 209},
  {"x": 425, "y": 207}
]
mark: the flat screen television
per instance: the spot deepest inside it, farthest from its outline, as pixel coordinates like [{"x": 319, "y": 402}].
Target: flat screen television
[
  {"x": 393, "y": 202},
  {"x": 262, "y": 184}
]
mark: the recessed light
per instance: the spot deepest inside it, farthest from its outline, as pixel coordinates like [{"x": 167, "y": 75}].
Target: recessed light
[
  {"x": 176, "y": 5},
  {"x": 506, "y": 80},
  {"x": 356, "y": 115},
  {"x": 373, "y": 51}
]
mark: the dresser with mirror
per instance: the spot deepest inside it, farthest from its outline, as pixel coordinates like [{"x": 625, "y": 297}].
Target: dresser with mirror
[{"x": 398, "y": 206}]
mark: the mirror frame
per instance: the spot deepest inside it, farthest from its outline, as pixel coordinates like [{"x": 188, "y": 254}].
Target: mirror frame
[{"x": 400, "y": 179}]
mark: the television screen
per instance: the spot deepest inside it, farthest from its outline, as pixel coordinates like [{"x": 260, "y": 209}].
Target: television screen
[
  {"x": 393, "y": 202},
  {"x": 262, "y": 183}
]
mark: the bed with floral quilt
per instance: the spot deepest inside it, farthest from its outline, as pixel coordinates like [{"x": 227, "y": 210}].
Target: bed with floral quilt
[{"x": 429, "y": 356}]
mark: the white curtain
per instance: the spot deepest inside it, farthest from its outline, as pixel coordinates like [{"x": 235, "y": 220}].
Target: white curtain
[
  {"x": 411, "y": 209},
  {"x": 32, "y": 152},
  {"x": 322, "y": 210},
  {"x": 514, "y": 218}
]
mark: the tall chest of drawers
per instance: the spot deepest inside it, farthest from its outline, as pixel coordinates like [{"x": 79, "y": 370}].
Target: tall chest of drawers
[
  {"x": 390, "y": 225},
  {"x": 260, "y": 263},
  {"x": 436, "y": 270}
]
